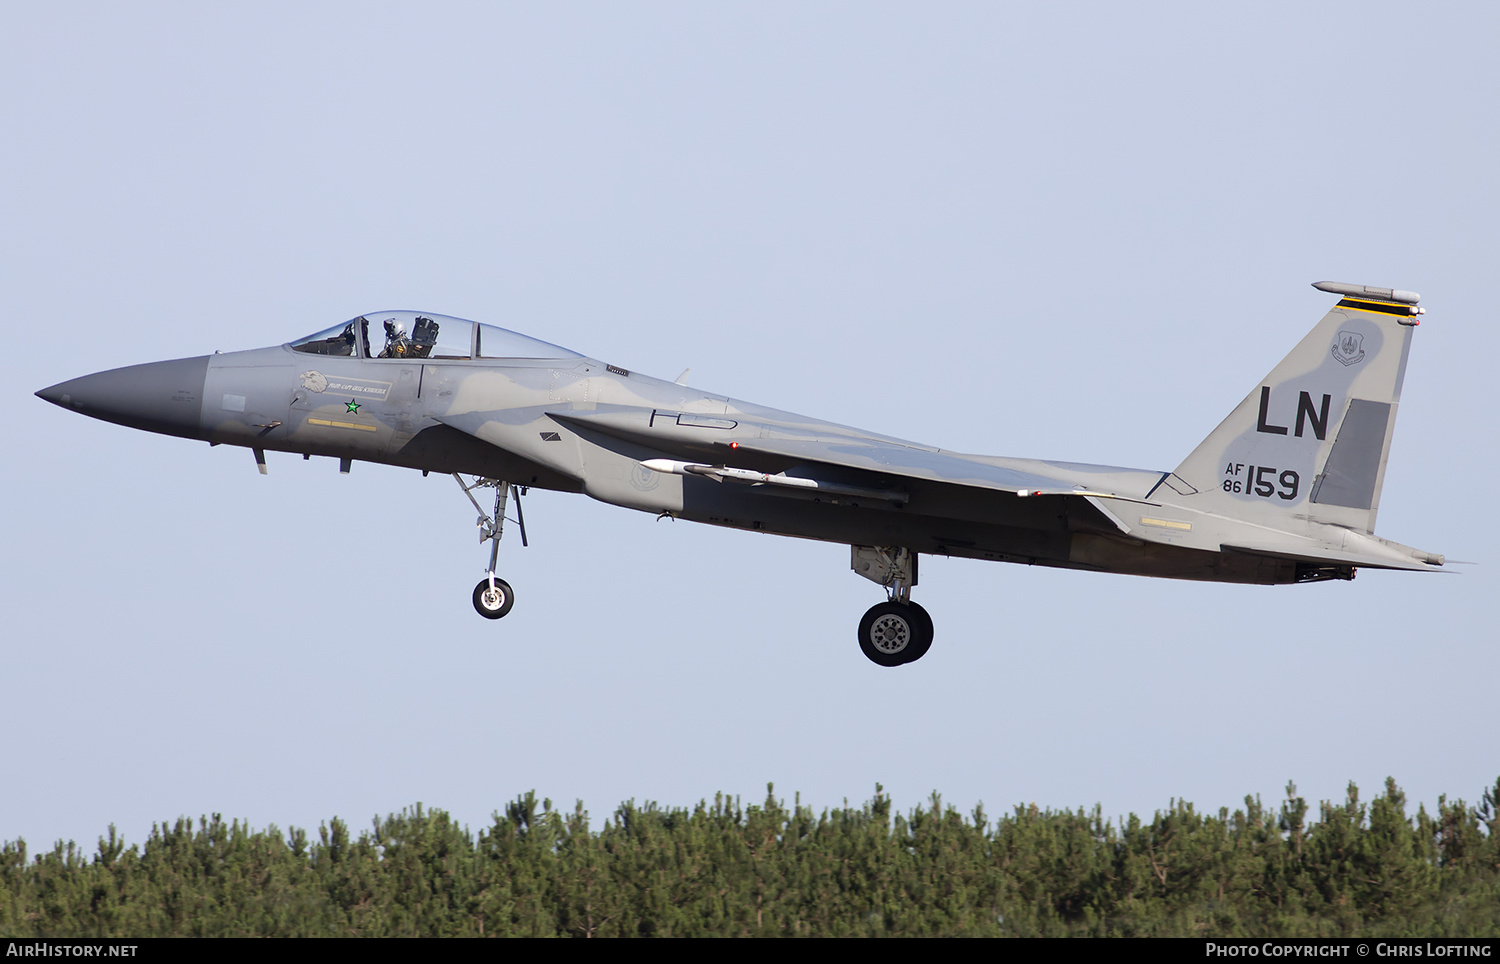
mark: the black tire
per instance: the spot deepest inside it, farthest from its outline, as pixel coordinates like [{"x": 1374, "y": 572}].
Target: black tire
[
  {"x": 924, "y": 634},
  {"x": 889, "y": 633},
  {"x": 489, "y": 606}
]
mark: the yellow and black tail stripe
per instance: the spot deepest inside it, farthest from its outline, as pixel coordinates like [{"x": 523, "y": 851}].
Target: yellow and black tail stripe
[{"x": 1383, "y": 307}]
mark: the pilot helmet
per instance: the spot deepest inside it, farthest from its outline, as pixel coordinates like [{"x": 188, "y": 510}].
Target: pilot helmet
[{"x": 394, "y": 330}]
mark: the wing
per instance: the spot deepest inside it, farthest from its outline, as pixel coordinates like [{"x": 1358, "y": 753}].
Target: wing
[
  {"x": 894, "y": 461},
  {"x": 842, "y": 464},
  {"x": 844, "y": 457}
]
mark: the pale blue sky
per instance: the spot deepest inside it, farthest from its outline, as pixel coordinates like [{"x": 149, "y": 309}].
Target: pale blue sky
[{"x": 1063, "y": 231}]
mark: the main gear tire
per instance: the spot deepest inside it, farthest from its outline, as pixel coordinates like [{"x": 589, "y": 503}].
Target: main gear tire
[
  {"x": 891, "y": 632},
  {"x": 924, "y": 634}
]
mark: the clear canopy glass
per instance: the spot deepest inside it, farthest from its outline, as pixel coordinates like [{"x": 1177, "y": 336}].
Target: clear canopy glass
[
  {"x": 338, "y": 340},
  {"x": 413, "y": 334},
  {"x": 503, "y": 343}
]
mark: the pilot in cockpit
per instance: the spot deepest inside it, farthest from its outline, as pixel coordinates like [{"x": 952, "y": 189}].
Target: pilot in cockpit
[{"x": 397, "y": 344}]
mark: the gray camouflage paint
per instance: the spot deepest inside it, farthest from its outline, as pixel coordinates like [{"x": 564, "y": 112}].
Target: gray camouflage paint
[{"x": 1304, "y": 512}]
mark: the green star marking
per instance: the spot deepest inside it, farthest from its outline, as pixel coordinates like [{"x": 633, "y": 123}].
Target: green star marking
[{"x": 352, "y": 407}]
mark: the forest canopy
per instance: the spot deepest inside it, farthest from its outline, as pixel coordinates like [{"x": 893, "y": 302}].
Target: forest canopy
[{"x": 724, "y": 868}]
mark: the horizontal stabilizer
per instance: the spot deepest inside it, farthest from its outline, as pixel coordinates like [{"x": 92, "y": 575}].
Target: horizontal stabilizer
[{"x": 1358, "y": 550}]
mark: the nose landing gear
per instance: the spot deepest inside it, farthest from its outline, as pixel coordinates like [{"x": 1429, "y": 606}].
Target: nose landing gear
[
  {"x": 493, "y": 597},
  {"x": 898, "y": 630}
]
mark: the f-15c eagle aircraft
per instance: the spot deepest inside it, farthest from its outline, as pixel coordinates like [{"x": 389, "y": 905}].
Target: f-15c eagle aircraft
[{"x": 1285, "y": 490}]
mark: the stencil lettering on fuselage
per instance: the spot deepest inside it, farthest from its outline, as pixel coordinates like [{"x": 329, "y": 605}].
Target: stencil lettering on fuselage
[{"x": 319, "y": 383}]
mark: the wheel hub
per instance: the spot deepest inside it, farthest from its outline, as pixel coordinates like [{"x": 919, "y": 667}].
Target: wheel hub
[
  {"x": 493, "y": 598},
  {"x": 890, "y": 634}
]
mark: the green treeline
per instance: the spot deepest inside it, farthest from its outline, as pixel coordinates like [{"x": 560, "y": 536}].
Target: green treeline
[{"x": 725, "y": 869}]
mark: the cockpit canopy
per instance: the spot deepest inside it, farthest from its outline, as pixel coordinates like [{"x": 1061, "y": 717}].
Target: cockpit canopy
[{"x": 412, "y": 335}]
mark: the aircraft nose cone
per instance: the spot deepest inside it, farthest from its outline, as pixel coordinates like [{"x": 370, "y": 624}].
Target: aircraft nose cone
[{"x": 165, "y": 397}]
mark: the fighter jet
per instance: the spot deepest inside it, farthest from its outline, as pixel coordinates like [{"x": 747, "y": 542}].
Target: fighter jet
[{"x": 1285, "y": 490}]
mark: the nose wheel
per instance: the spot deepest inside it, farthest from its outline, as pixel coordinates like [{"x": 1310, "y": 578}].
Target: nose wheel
[{"x": 493, "y": 598}]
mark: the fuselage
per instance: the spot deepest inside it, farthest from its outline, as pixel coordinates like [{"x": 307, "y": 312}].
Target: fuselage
[
  {"x": 573, "y": 423},
  {"x": 1285, "y": 489}
]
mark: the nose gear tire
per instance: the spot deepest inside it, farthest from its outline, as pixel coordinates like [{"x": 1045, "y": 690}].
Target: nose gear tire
[{"x": 493, "y": 603}]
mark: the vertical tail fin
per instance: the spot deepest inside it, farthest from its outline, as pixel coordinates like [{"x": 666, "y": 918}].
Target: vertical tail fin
[{"x": 1312, "y": 439}]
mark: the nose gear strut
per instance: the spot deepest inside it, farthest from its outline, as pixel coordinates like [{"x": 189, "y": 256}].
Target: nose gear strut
[{"x": 493, "y": 597}]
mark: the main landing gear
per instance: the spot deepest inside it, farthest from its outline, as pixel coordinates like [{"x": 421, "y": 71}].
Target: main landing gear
[
  {"x": 898, "y": 630},
  {"x": 493, "y": 597}
]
